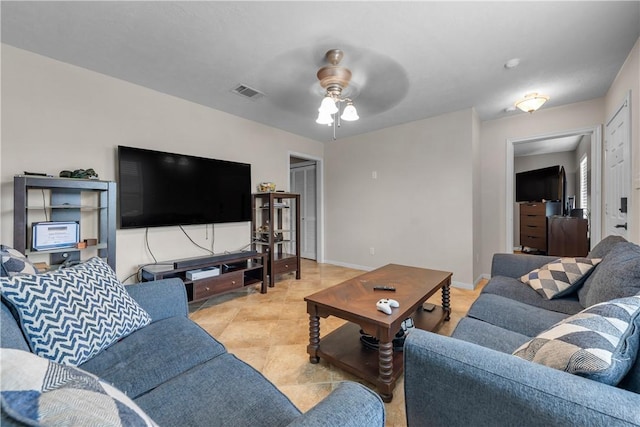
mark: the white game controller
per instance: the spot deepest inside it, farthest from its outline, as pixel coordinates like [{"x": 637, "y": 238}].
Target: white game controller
[{"x": 385, "y": 305}]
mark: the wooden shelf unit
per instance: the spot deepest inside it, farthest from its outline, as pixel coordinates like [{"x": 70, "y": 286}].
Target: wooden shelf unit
[
  {"x": 275, "y": 228},
  {"x": 63, "y": 199}
]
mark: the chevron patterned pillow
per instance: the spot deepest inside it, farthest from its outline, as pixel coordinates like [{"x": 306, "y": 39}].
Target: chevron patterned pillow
[
  {"x": 36, "y": 391},
  {"x": 600, "y": 343},
  {"x": 70, "y": 315},
  {"x": 560, "y": 277}
]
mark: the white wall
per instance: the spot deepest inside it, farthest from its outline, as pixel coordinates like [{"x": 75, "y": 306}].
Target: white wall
[
  {"x": 628, "y": 79},
  {"x": 493, "y": 140},
  {"x": 418, "y": 211},
  {"x": 57, "y": 116}
]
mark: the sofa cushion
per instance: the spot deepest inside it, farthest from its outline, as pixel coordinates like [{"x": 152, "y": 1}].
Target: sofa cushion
[
  {"x": 13, "y": 262},
  {"x": 600, "y": 343},
  {"x": 222, "y": 392},
  {"x": 488, "y": 335},
  {"x": 617, "y": 276},
  {"x": 37, "y": 391},
  {"x": 11, "y": 335},
  {"x": 513, "y": 315},
  {"x": 70, "y": 315},
  {"x": 154, "y": 354},
  {"x": 516, "y": 290},
  {"x": 560, "y": 277}
]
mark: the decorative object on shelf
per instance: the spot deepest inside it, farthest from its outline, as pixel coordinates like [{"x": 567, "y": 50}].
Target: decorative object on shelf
[
  {"x": 79, "y": 173},
  {"x": 334, "y": 79},
  {"x": 531, "y": 102},
  {"x": 266, "y": 187}
]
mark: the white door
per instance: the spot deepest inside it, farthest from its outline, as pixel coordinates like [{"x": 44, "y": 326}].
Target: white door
[
  {"x": 618, "y": 172},
  {"x": 303, "y": 182}
]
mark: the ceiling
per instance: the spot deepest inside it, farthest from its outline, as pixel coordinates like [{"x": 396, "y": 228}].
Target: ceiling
[
  {"x": 410, "y": 60},
  {"x": 547, "y": 146}
]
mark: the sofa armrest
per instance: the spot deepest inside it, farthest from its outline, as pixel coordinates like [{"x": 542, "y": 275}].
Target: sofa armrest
[
  {"x": 161, "y": 298},
  {"x": 349, "y": 405},
  {"x": 456, "y": 383},
  {"x": 516, "y": 265}
]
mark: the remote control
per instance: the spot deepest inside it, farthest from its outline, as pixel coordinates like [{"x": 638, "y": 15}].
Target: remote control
[
  {"x": 384, "y": 288},
  {"x": 427, "y": 306}
]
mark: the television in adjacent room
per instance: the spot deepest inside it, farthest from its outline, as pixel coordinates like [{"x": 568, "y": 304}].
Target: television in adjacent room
[
  {"x": 541, "y": 184},
  {"x": 158, "y": 189}
]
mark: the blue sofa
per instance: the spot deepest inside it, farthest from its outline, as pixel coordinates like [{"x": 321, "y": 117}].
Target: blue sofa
[
  {"x": 180, "y": 376},
  {"x": 472, "y": 378}
]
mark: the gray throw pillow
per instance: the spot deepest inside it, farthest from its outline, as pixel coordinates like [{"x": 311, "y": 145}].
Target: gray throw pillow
[
  {"x": 13, "y": 263},
  {"x": 604, "y": 246},
  {"x": 617, "y": 276}
]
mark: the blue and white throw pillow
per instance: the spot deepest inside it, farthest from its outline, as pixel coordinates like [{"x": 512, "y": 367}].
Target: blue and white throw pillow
[
  {"x": 600, "y": 343},
  {"x": 36, "y": 391},
  {"x": 13, "y": 262},
  {"x": 70, "y": 315},
  {"x": 560, "y": 277}
]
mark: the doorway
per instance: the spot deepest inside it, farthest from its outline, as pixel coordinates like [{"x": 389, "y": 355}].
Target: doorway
[
  {"x": 518, "y": 144},
  {"x": 305, "y": 179}
]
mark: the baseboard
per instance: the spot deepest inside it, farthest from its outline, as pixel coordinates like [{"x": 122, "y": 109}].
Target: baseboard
[{"x": 347, "y": 265}]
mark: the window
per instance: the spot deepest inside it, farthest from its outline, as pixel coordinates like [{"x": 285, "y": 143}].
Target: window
[{"x": 584, "y": 182}]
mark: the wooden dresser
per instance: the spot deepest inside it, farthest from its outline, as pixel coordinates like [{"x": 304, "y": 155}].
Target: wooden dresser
[
  {"x": 568, "y": 236},
  {"x": 533, "y": 223}
]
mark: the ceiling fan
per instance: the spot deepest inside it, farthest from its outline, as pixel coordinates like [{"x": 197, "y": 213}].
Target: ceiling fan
[{"x": 334, "y": 78}]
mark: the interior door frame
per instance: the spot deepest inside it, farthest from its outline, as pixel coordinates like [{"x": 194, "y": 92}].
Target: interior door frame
[
  {"x": 596, "y": 179},
  {"x": 319, "y": 199}
]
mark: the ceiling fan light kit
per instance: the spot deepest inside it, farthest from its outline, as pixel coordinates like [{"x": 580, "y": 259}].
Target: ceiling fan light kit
[
  {"x": 531, "y": 102},
  {"x": 334, "y": 79}
]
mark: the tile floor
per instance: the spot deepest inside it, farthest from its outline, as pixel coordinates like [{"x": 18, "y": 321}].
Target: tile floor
[{"x": 270, "y": 332}]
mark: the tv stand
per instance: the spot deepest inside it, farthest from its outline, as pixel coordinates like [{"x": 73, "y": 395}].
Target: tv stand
[{"x": 236, "y": 270}]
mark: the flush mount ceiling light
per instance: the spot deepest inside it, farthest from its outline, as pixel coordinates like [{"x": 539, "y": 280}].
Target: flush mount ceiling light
[
  {"x": 334, "y": 79},
  {"x": 531, "y": 102}
]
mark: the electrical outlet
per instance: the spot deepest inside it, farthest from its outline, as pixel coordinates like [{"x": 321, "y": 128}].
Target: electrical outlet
[
  {"x": 374, "y": 174},
  {"x": 372, "y": 250}
]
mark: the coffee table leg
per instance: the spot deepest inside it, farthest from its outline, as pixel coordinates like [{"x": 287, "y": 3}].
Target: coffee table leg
[
  {"x": 446, "y": 301},
  {"x": 314, "y": 338},
  {"x": 385, "y": 367}
]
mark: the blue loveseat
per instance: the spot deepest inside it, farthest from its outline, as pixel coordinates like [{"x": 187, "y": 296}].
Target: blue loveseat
[
  {"x": 180, "y": 376},
  {"x": 472, "y": 378}
]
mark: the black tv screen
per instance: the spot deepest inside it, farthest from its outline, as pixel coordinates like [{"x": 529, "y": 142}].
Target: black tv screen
[
  {"x": 540, "y": 184},
  {"x": 162, "y": 189}
]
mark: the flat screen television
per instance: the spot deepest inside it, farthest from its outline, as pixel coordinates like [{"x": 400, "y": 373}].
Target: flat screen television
[
  {"x": 541, "y": 184},
  {"x": 157, "y": 189}
]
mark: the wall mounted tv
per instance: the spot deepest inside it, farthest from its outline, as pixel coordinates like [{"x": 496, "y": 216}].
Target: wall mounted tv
[
  {"x": 162, "y": 189},
  {"x": 541, "y": 184}
]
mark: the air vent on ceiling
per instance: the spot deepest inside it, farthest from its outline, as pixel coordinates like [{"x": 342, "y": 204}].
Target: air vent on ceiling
[{"x": 247, "y": 92}]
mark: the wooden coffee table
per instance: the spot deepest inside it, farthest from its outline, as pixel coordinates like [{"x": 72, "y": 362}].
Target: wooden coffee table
[{"x": 355, "y": 300}]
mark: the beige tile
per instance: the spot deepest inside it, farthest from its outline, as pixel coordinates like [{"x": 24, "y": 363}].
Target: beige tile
[
  {"x": 306, "y": 396},
  {"x": 289, "y": 364},
  {"x": 247, "y": 334}
]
